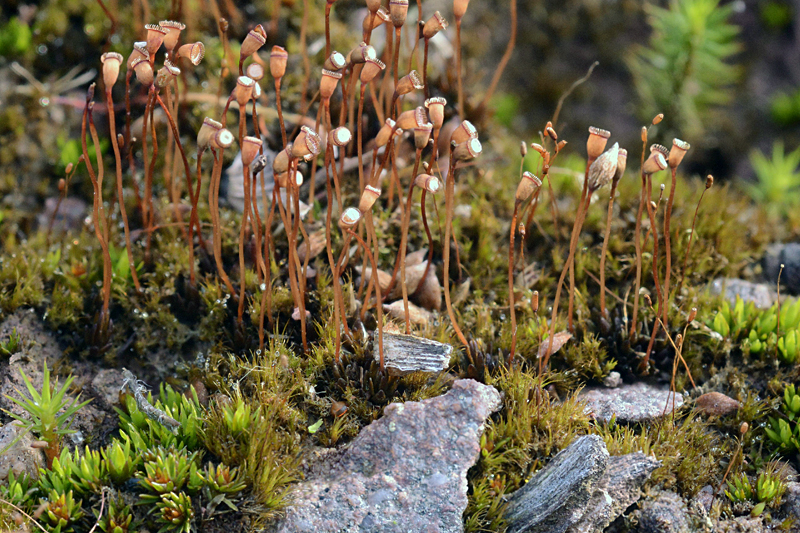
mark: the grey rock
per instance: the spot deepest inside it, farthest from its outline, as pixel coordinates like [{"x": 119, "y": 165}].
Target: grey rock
[
  {"x": 744, "y": 524},
  {"x": 20, "y": 457},
  {"x": 107, "y": 384},
  {"x": 761, "y": 294},
  {"x": 791, "y": 500},
  {"x": 556, "y": 497},
  {"x": 666, "y": 513},
  {"x": 638, "y": 402},
  {"x": 704, "y": 497},
  {"x": 612, "y": 380},
  {"x": 404, "y": 472},
  {"x": 70, "y": 215},
  {"x": 619, "y": 488},
  {"x": 787, "y": 255},
  {"x": 404, "y": 354}
]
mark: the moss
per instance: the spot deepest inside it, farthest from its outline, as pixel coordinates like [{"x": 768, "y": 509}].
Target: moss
[{"x": 689, "y": 450}]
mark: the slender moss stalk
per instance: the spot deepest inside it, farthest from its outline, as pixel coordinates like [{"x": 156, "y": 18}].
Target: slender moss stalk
[
  {"x": 287, "y": 224},
  {"x": 425, "y": 71},
  {"x": 449, "y": 201},
  {"x": 511, "y": 308},
  {"x": 606, "y": 235},
  {"x": 328, "y": 6},
  {"x": 572, "y": 245},
  {"x": 306, "y": 60},
  {"x": 571, "y": 264},
  {"x": 147, "y": 201},
  {"x": 280, "y": 110},
  {"x": 668, "y": 246},
  {"x": 404, "y": 246},
  {"x": 709, "y": 183},
  {"x": 243, "y": 227},
  {"x": 97, "y": 206},
  {"x": 213, "y": 204},
  {"x": 395, "y": 65},
  {"x": 379, "y": 306},
  {"x": 360, "y": 138},
  {"x": 651, "y": 213},
  {"x": 263, "y": 257},
  {"x": 637, "y": 239},
  {"x": 458, "y": 70},
  {"x": 118, "y": 165},
  {"x": 129, "y": 140},
  {"x": 512, "y": 40},
  {"x": 301, "y": 278},
  {"x": 337, "y": 289},
  {"x": 400, "y": 263},
  {"x": 194, "y": 221}
]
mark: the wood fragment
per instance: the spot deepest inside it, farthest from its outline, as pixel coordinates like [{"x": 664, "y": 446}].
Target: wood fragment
[
  {"x": 404, "y": 354},
  {"x": 138, "y": 388}
]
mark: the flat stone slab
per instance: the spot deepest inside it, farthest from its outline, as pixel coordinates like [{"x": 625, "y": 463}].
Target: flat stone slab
[
  {"x": 404, "y": 472},
  {"x": 638, "y": 402}
]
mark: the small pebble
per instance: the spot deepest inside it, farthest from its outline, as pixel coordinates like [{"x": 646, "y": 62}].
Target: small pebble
[
  {"x": 716, "y": 404},
  {"x": 613, "y": 380}
]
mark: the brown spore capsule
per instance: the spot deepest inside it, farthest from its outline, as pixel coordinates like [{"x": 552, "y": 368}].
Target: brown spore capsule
[
  {"x": 195, "y": 52},
  {"x": 596, "y": 142},
  {"x": 254, "y": 40}
]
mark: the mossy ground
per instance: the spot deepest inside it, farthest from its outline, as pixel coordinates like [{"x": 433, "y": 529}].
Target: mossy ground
[{"x": 187, "y": 334}]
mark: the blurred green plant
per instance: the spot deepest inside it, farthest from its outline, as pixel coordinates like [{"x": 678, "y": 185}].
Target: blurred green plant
[
  {"x": 15, "y": 38},
  {"x": 778, "y": 179},
  {"x": 686, "y": 71},
  {"x": 775, "y": 15},
  {"x": 784, "y": 107},
  {"x": 769, "y": 487}
]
